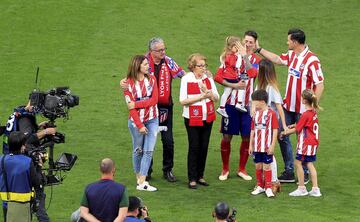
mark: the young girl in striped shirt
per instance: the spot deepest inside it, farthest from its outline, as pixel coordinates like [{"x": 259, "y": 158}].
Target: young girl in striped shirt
[{"x": 307, "y": 129}]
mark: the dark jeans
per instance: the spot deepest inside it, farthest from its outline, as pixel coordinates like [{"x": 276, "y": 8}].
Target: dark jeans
[
  {"x": 198, "y": 139},
  {"x": 285, "y": 143},
  {"x": 41, "y": 214},
  {"x": 167, "y": 140}
]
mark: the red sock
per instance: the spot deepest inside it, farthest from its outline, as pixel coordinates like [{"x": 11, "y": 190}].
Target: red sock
[
  {"x": 259, "y": 178},
  {"x": 267, "y": 178},
  {"x": 225, "y": 154},
  {"x": 244, "y": 154}
]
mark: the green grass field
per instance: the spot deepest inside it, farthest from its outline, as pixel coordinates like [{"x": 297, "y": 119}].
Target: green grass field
[{"x": 87, "y": 45}]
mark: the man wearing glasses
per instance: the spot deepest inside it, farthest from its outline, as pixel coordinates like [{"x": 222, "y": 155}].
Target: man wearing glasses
[{"x": 165, "y": 69}]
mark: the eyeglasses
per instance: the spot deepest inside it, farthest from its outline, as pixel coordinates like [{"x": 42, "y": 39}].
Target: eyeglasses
[
  {"x": 160, "y": 50},
  {"x": 201, "y": 66}
]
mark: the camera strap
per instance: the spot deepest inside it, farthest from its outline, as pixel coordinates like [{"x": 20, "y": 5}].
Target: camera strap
[{"x": 5, "y": 176}]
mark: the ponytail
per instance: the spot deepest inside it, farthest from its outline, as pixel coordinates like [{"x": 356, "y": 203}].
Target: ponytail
[{"x": 309, "y": 96}]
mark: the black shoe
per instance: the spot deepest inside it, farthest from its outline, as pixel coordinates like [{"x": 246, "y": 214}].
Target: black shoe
[
  {"x": 203, "y": 182},
  {"x": 148, "y": 178},
  {"x": 192, "y": 185},
  {"x": 287, "y": 177},
  {"x": 169, "y": 176}
]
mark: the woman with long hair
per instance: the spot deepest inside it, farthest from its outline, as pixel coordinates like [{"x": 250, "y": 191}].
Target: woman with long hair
[
  {"x": 141, "y": 98},
  {"x": 267, "y": 81}
]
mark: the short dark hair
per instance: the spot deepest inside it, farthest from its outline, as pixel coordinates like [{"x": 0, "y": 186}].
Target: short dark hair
[
  {"x": 16, "y": 140},
  {"x": 222, "y": 211},
  {"x": 297, "y": 35},
  {"x": 134, "y": 203},
  {"x": 252, "y": 34},
  {"x": 260, "y": 95}
]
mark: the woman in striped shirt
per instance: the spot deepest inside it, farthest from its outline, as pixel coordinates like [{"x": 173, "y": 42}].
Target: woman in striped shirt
[{"x": 142, "y": 97}]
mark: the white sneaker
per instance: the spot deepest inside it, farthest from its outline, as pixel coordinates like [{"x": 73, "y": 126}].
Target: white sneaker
[
  {"x": 299, "y": 193},
  {"x": 244, "y": 176},
  {"x": 269, "y": 192},
  {"x": 146, "y": 186},
  {"x": 224, "y": 176},
  {"x": 315, "y": 192},
  {"x": 258, "y": 190},
  {"x": 222, "y": 112},
  {"x": 240, "y": 107}
]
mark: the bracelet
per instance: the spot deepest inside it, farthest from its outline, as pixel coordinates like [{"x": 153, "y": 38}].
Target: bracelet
[{"x": 258, "y": 50}]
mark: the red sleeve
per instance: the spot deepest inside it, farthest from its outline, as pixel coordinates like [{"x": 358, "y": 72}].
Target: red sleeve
[
  {"x": 152, "y": 100},
  {"x": 230, "y": 60},
  {"x": 275, "y": 122},
  {"x": 285, "y": 58},
  {"x": 219, "y": 75},
  {"x": 302, "y": 122},
  {"x": 133, "y": 112}
]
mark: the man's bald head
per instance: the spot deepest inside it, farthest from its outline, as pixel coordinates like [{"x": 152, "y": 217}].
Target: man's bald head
[{"x": 107, "y": 166}]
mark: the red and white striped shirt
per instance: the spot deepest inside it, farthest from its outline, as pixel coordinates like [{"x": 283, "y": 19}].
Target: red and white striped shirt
[
  {"x": 252, "y": 73},
  {"x": 145, "y": 95},
  {"x": 308, "y": 133},
  {"x": 263, "y": 124},
  {"x": 304, "y": 73}
]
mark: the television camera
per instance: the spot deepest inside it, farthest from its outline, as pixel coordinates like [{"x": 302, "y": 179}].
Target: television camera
[{"x": 53, "y": 104}]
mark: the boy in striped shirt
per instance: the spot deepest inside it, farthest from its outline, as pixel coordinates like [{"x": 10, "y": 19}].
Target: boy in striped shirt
[{"x": 264, "y": 130}]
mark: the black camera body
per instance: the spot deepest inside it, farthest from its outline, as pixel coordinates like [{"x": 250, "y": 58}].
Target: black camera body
[
  {"x": 53, "y": 103},
  {"x": 232, "y": 217}
]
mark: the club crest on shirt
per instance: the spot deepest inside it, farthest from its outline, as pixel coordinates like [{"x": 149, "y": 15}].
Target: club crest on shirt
[
  {"x": 302, "y": 66},
  {"x": 265, "y": 117},
  {"x": 149, "y": 88},
  {"x": 196, "y": 112}
]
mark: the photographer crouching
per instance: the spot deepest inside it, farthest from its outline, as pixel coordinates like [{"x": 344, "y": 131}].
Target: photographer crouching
[
  {"x": 24, "y": 120},
  {"x": 137, "y": 212},
  {"x": 18, "y": 177}
]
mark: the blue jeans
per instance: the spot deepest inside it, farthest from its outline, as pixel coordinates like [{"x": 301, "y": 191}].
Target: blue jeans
[
  {"x": 143, "y": 145},
  {"x": 285, "y": 143}
]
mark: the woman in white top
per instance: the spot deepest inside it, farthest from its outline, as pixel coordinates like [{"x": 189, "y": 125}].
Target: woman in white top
[
  {"x": 197, "y": 95},
  {"x": 267, "y": 80}
]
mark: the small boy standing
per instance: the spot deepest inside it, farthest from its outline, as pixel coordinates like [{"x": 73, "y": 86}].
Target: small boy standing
[{"x": 264, "y": 131}]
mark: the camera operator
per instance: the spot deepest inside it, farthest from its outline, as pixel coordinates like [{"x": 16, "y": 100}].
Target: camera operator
[
  {"x": 24, "y": 120},
  {"x": 137, "y": 212},
  {"x": 221, "y": 213},
  {"x": 17, "y": 178}
]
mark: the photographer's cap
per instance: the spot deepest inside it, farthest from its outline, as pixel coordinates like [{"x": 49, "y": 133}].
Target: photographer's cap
[
  {"x": 222, "y": 210},
  {"x": 135, "y": 203}
]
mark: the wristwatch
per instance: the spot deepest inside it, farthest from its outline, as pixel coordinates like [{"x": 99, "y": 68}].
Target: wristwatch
[{"x": 258, "y": 50}]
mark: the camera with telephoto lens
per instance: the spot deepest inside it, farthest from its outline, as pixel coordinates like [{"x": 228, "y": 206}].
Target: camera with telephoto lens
[{"x": 54, "y": 103}]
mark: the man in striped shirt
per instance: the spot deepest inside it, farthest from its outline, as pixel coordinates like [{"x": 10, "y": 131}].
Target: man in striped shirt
[
  {"x": 239, "y": 122},
  {"x": 304, "y": 72}
]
